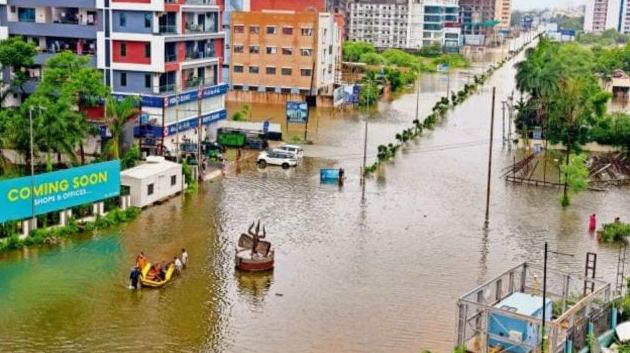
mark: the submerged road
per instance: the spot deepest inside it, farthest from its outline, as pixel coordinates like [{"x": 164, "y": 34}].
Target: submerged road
[{"x": 373, "y": 273}]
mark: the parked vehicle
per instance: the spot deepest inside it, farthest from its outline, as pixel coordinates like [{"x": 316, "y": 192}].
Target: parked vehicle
[
  {"x": 283, "y": 159},
  {"x": 294, "y": 150}
]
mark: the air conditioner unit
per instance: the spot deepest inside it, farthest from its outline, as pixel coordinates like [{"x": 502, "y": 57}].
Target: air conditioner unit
[{"x": 515, "y": 336}]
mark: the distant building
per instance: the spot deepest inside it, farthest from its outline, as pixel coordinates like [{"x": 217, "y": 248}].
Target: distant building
[
  {"x": 601, "y": 15},
  {"x": 284, "y": 52},
  {"x": 404, "y": 23}
]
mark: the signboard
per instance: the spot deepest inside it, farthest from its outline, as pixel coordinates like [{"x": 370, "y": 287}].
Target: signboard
[
  {"x": 265, "y": 127},
  {"x": 568, "y": 32},
  {"x": 356, "y": 94},
  {"x": 527, "y": 22},
  {"x": 184, "y": 97},
  {"x": 187, "y": 124},
  {"x": 504, "y": 32},
  {"x": 297, "y": 112},
  {"x": 58, "y": 190}
]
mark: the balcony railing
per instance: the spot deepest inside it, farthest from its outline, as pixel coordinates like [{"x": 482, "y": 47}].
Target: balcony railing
[
  {"x": 197, "y": 55},
  {"x": 196, "y": 82},
  {"x": 167, "y": 88},
  {"x": 170, "y": 58},
  {"x": 168, "y": 29},
  {"x": 201, "y": 2},
  {"x": 195, "y": 28}
]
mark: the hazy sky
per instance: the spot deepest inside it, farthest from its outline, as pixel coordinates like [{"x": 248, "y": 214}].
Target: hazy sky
[{"x": 540, "y": 4}]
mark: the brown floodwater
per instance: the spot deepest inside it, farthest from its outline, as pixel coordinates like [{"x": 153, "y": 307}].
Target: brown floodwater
[{"x": 373, "y": 271}]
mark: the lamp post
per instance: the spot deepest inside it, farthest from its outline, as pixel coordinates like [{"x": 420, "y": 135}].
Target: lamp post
[{"x": 30, "y": 119}]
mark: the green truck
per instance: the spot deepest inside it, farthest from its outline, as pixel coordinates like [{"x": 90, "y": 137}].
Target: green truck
[{"x": 232, "y": 138}]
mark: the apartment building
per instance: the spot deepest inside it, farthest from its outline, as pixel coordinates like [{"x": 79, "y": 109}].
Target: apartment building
[
  {"x": 474, "y": 13},
  {"x": 284, "y": 52},
  {"x": 168, "y": 52},
  {"x": 503, "y": 13},
  {"x": 408, "y": 24},
  {"x": 601, "y": 15}
]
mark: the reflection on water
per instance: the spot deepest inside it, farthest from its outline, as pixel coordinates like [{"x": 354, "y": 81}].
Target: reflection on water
[{"x": 374, "y": 269}]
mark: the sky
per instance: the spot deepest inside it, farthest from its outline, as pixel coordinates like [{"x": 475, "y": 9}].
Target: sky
[{"x": 540, "y": 4}]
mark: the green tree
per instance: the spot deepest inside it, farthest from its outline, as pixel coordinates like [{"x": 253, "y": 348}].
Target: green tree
[
  {"x": 400, "y": 58},
  {"x": 117, "y": 115},
  {"x": 131, "y": 157},
  {"x": 17, "y": 55},
  {"x": 372, "y": 58},
  {"x": 575, "y": 176},
  {"x": 352, "y": 51},
  {"x": 243, "y": 113}
]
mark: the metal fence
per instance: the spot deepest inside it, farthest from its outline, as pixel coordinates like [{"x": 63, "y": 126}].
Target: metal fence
[{"x": 573, "y": 308}]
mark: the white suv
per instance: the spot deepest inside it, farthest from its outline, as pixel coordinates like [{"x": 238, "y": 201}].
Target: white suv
[
  {"x": 283, "y": 159},
  {"x": 295, "y": 151}
]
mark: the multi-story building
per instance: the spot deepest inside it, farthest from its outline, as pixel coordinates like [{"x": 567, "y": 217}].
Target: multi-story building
[
  {"x": 409, "y": 24},
  {"x": 503, "y": 13},
  {"x": 601, "y": 15},
  {"x": 477, "y": 15},
  {"x": 168, "y": 52},
  {"x": 284, "y": 52}
]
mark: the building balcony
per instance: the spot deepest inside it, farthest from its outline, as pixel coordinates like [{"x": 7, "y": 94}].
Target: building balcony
[
  {"x": 63, "y": 30},
  {"x": 167, "y": 29},
  {"x": 56, "y": 3},
  {"x": 201, "y": 2}
]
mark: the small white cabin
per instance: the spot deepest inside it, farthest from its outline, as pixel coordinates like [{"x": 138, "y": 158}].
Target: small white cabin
[{"x": 153, "y": 181}]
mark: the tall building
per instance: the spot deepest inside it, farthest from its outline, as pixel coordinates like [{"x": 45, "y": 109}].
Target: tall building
[
  {"x": 477, "y": 15},
  {"x": 601, "y": 15},
  {"x": 503, "y": 13},
  {"x": 168, "y": 52},
  {"x": 408, "y": 24},
  {"x": 284, "y": 52}
]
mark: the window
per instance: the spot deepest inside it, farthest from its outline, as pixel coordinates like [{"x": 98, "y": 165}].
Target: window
[
  {"x": 254, "y": 49},
  {"x": 26, "y": 14},
  {"x": 173, "y": 180},
  {"x": 270, "y": 71},
  {"x": 147, "y": 50},
  {"x": 147, "y": 80},
  {"x": 150, "y": 189},
  {"x": 306, "y": 51},
  {"x": 238, "y": 48},
  {"x": 307, "y": 32},
  {"x": 123, "y": 49},
  {"x": 239, "y": 29},
  {"x": 286, "y": 71},
  {"x": 305, "y": 72},
  {"x": 147, "y": 20},
  {"x": 287, "y": 51},
  {"x": 253, "y": 69},
  {"x": 122, "y": 20},
  {"x": 287, "y": 31},
  {"x": 123, "y": 79},
  {"x": 238, "y": 68},
  {"x": 272, "y": 30},
  {"x": 272, "y": 50},
  {"x": 254, "y": 29}
]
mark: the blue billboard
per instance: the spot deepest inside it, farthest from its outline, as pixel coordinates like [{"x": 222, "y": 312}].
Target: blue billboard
[
  {"x": 58, "y": 190},
  {"x": 297, "y": 112},
  {"x": 184, "y": 97}
]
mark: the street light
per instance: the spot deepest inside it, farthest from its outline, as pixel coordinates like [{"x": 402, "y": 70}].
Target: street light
[
  {"x": 544, "y": 308},
  {"x": 30, "y": 119}
]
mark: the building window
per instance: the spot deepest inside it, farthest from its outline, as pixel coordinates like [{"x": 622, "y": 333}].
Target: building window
[
  {"x": 173, "y": 180},
  {"x": 26, "y": 14},
  {"x": 238, "y": 68},
  {"x": 253, "y": 69},
  {"x": 286, "y": 71},
  {"x": 147, "y": 80},
  {"x": 287, "y": 51},
  {"x": 254, "y": 29},
  {"x": 123, "y": 49},
  {"x": 272, "y": 50},
  {"x": 287, "y": 31},
  {"x": 272, "y": 30},
  {"x": 239, "y": 29},
  {"x": 147, "y": 20},
  {"x": 306, "y": 52},
  {"x": 122, "y": 20},
  {"x": 123, "y": 79},
  {"x": 305, "y": 72},
  {"x": 254, "y": 49},
  {"x": 270, "y": 70},
  {"x": 238, "y": 48},
  {"x": 307, "y": 32},
  {"x": 147, "y": 50},
  {"x": 150, "y": 189}
]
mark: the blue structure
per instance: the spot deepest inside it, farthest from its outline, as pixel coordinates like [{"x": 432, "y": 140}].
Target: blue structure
[
  {"x": 329, "y": 175},
  {"x": 506, "y": 328}
]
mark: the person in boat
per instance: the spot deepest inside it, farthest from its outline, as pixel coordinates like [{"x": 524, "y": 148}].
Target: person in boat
[
  {"x": 141, "y": 260},
  {"x": 178, "y": 264},
  {"x": 135, "y": 274},
  {"x": 152, "y": 274},
  {"x": 159, "y": 272}
]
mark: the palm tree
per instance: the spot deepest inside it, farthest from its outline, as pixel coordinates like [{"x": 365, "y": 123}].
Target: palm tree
[{"x": 117, "y": 114}]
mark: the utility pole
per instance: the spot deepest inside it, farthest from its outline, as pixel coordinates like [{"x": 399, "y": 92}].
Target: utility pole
[
  {"x": 503, "y": 118},
  {"x": 494, "y": 89},
  {"x": 418, "y": 99},
  {"x": 366, "y": 137},
  {"x": 448, "y": 84},
  {"x": 510, "y": 110},
  {"x": 199, "y": 97},
  {"x": 177, "y": 125},
  {"x": 33, "y": 216}
]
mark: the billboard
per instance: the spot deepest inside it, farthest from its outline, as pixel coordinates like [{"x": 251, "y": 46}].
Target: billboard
[
  {"x": 443, "y": 68},
  {"x": 526, "y": 22},
  {"x": 58, "y": 190},
  {"x": 297, "y": 112}
]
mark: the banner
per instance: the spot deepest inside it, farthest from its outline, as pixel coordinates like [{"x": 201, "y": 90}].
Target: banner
[
  {"x": 297, "y": 112},
  {"x": 58, "y": 190},
  {"x": 338, "y": 96}
]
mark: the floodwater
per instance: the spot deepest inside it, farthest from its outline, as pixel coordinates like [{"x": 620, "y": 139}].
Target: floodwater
[{"x": 372, "y": 271}]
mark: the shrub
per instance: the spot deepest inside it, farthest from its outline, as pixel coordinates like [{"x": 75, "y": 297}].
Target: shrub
[{"x": 615, "y": 231}]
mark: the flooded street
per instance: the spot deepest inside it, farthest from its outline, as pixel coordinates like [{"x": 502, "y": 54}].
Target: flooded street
[{"x": 373, "y": 272}]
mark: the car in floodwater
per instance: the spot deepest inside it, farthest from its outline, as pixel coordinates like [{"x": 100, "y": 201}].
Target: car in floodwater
[{"x": 283, "y": 159}]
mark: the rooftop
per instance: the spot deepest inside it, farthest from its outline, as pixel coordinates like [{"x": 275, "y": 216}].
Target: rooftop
[{"x": 155, "y": 165}]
